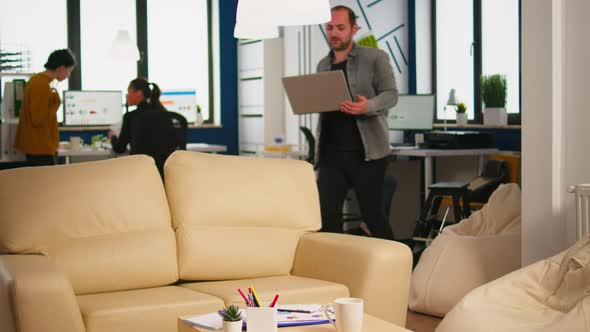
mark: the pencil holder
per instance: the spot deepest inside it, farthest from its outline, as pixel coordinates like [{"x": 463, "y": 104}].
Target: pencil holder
[{"x": 261, "y": 319}]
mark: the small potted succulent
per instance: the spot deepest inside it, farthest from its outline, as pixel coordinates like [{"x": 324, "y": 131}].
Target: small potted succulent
[
  {"x": 232, "y": 318},
  {"x": 461, "y": 114}
]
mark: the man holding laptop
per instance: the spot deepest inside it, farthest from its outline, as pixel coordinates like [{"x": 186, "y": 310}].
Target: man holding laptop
[{"x": 353, "y": 143}]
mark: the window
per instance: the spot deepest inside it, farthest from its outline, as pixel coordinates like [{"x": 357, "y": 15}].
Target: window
[
  {"x": 43, "y": 31},
  {"x": 178, "y": 48},
  {"x": 99, "y": 23},
  {"x": 454, "y": 40},
  {"x": 500, "y": 46},
  {"x": 460, "y": 61}
]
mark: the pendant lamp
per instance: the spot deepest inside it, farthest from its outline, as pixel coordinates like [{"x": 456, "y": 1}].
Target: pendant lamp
[
  {"x": 259, "y": 18},
  {"x": 123, "y": 49}
]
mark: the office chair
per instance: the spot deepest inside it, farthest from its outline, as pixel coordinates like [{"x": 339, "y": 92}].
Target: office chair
[
  {"x": 158, "y": 134},
  {"x": 310, "y": 144}
]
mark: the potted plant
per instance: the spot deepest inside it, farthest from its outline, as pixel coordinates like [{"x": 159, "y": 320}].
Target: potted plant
[
  {"x": 232, "y": 318},
  {"x": 461, "y": 114},
  {"x": 493, "y": 93}
]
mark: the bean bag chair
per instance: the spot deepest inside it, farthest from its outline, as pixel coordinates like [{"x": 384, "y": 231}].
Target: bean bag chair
[
  {"x": 550, "y": 295},
  {"x": 464, "y": 256}
]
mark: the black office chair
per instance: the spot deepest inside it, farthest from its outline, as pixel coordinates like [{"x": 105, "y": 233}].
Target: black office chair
[
  {"x": 158, "y": 134},
  {"x": 310, "y": 144}
]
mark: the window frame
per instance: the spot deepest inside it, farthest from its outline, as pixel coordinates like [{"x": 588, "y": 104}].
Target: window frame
[{"x": 513, "y": 118}]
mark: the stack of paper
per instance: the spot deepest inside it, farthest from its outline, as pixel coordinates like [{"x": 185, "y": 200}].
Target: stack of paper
[{"x": 298, "y": 314}]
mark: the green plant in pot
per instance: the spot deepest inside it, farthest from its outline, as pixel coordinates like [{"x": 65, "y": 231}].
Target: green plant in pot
[
  {"x": 493, "y": 93},
  {"x": 461, "y": 114},
  {"x": 232, "y": 318}
]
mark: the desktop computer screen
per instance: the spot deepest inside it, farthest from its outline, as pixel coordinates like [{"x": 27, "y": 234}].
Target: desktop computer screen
[
  {"x": 182, "y": 102},
  {"x": 412, "y": 112},
  {"x": 92, "y": 108}
]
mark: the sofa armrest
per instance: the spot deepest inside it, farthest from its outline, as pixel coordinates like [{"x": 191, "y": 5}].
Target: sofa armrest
[
  {"x": 35, "y": 296},
  {"x": 375, "y": 270}
]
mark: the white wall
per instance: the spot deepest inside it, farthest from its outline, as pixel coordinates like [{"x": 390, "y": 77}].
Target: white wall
[{"x": 554, "y": 80}]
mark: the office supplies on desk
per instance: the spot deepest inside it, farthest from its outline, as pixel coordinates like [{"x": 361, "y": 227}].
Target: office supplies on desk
[
  {"x": 293, "y": 310},
  {"x": 274, "y": 301},
  {"x": 302, "y": 92},
  {"x": 248, "y": 303},
  {"x": 257, "y": 302}
]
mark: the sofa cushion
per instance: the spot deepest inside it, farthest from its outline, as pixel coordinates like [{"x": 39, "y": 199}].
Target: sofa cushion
[
  {"x": 228, "y": 206},
  {"x": 106, "y": 224},
  {"x": 155, "y": 309},
  {"x": 291, "y": 289}
]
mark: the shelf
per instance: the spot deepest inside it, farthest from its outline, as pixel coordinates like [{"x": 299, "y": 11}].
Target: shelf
[
  {"x": 16, "y": 74},
  {"x": 475, "y": 126},
  {"x": 255, "y": 78}
]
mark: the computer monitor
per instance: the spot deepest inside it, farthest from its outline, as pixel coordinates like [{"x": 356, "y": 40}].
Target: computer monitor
[
  {"x": 92, "y": 108},
  {"x": 181, "y": 101},
  {"x": 412, "y": 112}
]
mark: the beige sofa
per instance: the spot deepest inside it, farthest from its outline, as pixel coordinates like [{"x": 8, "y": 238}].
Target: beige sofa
[{"x": 103, "y": 246}]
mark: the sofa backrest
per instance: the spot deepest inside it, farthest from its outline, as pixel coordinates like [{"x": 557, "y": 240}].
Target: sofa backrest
[
  {"x": 239, "y": 217},
  {"x": 105, "y": 223}
]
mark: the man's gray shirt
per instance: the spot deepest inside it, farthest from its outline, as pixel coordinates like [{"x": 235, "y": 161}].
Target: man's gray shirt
[{"x": 369, "y": 74}]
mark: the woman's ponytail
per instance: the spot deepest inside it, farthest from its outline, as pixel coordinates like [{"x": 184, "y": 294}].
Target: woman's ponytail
[{"x": 155, "y": 96}]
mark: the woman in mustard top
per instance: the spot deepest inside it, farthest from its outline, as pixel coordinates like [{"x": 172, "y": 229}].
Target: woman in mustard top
[{"x": 37, "y": 135}]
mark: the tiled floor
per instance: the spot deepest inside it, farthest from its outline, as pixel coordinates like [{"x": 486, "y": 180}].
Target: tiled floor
[{"x": 421, "y": 323}]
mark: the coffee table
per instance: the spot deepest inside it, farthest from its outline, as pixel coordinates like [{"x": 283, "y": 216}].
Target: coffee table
[{"x": 370, "y": 324}]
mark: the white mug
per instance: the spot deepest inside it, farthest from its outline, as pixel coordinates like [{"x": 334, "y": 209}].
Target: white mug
[
  {"x": 76, "y": 142},
  {"x": 348, "y": 312}
]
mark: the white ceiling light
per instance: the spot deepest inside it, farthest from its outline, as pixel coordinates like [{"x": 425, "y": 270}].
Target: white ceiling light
[
  {"x": 123, "y": 48},
  {"x": 301, "y": 12},
  {"x": 258, "y": 18}
]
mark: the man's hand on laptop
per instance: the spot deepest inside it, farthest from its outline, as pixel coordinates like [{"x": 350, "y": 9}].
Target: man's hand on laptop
[{"x": 355, "y": 108}]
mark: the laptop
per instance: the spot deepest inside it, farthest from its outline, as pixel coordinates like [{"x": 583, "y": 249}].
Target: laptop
[{"x": 315, "y": 93}]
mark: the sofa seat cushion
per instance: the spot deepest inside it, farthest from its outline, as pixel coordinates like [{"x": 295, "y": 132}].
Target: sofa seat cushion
[
  {"x": 291, "y": 289},
  {"x": 153, "y": 309}
]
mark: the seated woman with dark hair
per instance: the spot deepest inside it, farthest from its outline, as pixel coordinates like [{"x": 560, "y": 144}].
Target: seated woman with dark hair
[{"x": 150, "y": 129}]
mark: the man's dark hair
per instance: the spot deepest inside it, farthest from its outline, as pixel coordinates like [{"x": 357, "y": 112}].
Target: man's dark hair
[
  {"x": 60, "y": 58},
  {"x": 351, "y": 14}
]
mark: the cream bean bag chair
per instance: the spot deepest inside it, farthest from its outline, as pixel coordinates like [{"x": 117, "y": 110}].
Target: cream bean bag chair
[
  {"x": 550, "y": 295},
  {"x": 469, "y": 254}
]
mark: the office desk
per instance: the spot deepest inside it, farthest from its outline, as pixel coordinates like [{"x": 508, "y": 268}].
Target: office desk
[
  {"x": 429, "y": 154},
  {"x": 108, "y": 153},
  {"x": 204, "y": 147},
  {"x": 84, "y": 152}
]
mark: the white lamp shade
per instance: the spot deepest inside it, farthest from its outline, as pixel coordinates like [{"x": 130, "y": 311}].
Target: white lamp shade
[
  {"x": 301, "y": 12},
  {"x": 452, "y": 101},
  {"x": 265, "y": 15},
  {"x": 123, "y": 49},
  {"x": 255, "y": 30}
]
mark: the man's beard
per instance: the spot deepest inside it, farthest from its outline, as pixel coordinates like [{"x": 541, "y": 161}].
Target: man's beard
[{"x": 343, "y": 45}]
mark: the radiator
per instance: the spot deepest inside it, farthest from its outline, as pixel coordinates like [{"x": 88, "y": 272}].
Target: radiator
[{"x": 582, "y": 192}]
